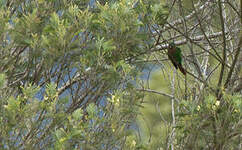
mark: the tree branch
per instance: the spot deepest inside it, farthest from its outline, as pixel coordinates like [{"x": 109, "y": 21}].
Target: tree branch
[
  {"x": 221, "y": 14},
  {"x": 157, "y": 92}
]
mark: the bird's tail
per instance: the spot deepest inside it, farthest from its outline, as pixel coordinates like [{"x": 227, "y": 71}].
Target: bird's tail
[{"x": 182, "y": 69}]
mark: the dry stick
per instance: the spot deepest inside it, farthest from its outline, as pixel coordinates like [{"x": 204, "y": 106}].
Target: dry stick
[
  {"x": 175, "y": 36},
  {"x": 201, "y": 27},
  {"x": 234, "y": 62},
  {"x": 238, "y": 50},
  {"x": 166, "y": 59},
  {"x": 202, "y": 81},
  {"x": 179, "y": 21},
  {"x": 173, "y": 133},
  {"x": 233, "y": 7},
  {"x": 224, "y": 49},
  {"x": 207, "y": 39},
  {"x": 75, "y": 79},
  {"x": 190, "y": 46},
  {"x": 157, "y": 92}
]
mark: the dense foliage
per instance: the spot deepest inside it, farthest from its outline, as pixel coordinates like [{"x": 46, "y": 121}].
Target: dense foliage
[{"x": 80, "y": 74}]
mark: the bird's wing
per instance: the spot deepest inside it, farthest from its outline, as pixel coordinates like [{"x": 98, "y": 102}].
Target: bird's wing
[
  {"x": 173, "y": 61},
  {"x": 178, "y": 55}
]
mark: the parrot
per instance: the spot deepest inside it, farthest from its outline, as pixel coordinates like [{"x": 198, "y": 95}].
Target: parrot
[{"x": 175, "y": 55}]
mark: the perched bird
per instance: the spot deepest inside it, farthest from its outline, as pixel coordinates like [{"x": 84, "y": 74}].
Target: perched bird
[{"x": 175, "y": 55}]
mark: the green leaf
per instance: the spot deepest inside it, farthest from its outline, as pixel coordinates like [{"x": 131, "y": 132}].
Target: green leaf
[
  {"x": 51, "y": 89},
  {"x": 77, "y": 114},
  {"x": 30, "y": 91},
  {"x": 60, "y": 133},
  {"x": 108, "y": 45},
  {"x": 160, "y": 13},
  {"x": 91, "y": 109},
  {"x": 2, "y": 80}
]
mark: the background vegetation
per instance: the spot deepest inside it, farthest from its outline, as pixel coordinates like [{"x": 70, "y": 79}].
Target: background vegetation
[{"x": 87, "y": 75}]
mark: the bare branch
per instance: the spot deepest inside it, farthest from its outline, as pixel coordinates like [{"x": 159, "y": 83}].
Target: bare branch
[
  {"x": 179, "y": 21},
  {"x": 221, "y": 13},
  {"x": 234, "y": 62},
  {"x": 158, "y": 92}
]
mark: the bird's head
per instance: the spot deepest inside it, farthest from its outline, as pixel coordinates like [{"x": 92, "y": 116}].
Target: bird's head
[{"x": 171, "y": 45}]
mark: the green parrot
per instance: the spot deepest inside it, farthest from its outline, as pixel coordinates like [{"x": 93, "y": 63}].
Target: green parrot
[{"x": 175, "y": 55}]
